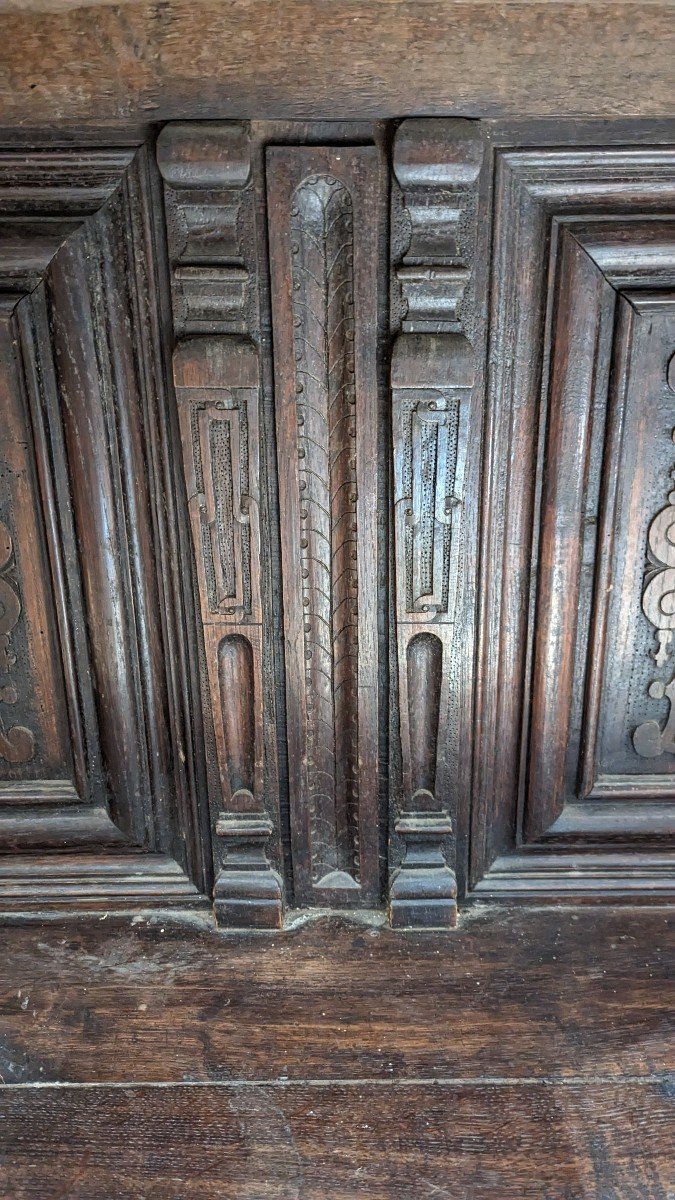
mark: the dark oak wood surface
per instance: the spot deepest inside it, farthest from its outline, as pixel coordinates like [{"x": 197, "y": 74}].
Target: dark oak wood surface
[
  {"x": 527, "y": 1055},
  {"x": 297, "y": 58},
  {"x": 337, "y": 570},
  {"x": 312, "y": 599},
  {"x": 423, "y": 1142},
  {"x": 517, "y": 994}
]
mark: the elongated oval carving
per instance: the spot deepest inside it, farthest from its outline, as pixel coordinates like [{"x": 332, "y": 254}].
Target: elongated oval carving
[
  {"x": 323, "y": 254},
  {"x": 425, "y": 672},
  {"x": 237, "y": 707}
]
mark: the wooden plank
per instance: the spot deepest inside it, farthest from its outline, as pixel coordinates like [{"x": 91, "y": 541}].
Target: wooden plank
[
  {"x": 567, "y": 993},
  {"x": 337, "y": 60},
  {"x": 445, "y": 1142}
]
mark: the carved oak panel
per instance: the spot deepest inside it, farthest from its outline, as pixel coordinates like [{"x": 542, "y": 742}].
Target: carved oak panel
[
  {"x": 337, "y": 497},
  {"x": 93, "y": 753},
  {"x": 437, "y": 165},
  {"x": 324, "y": 231},
  {"x": 574, "y": 776},
  {"x": 217, "y": 375}
]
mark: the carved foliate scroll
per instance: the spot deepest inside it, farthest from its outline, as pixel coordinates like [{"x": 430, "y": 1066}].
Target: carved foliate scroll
[
  {"x": 217, "y": 379},
  {"x": 434, "y": 204},
  {"x": 324, "y": 234},
  {"x": 17, "y": 743},
  {"x": 658, "y": 603}
]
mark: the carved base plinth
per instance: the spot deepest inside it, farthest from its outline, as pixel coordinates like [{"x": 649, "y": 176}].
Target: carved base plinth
[
  {"x": 423, "y": 891},
  {"x": 248, "y": 900},
  {"x": 248, "y": 892}
]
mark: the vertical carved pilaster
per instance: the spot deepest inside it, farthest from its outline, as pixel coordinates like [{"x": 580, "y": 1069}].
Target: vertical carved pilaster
[
  {"x": 434, "y": 213},
  {"x": 324, "y": 235},
  {"x": 217, "y": 378}
]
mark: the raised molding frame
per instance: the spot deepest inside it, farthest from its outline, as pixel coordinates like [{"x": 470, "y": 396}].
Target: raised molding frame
[
  {"x": 580, "y": 236},
  {"x": 82, "y": 324}
]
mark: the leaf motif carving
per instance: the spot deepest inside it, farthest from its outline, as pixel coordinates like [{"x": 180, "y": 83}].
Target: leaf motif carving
[{"x": 323, "y": 313}]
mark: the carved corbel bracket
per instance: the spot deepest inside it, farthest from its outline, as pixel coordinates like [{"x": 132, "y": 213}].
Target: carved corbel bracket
[
  {"x": 434, "y": 218},
  {"x": 217, "y": 379},
  {"x": 209, "y": 213},
  {"x": 436, "y": 167}
]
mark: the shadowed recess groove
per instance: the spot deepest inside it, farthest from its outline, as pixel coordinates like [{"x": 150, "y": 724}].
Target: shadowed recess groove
[
  {"x": 235, "y": 673},
  {"x": 425, "y": 672}
]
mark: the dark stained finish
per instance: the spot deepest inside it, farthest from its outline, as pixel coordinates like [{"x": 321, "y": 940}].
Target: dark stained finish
[
  {"x": 324, "y": 235},
  {"x": 210, "y": 207},
  {"x": 385, "y": 58},
  {"x": 573, "y": 787},
  {"x": 324, "y": 604},
  {"x": 217, "y": 391},
  {"x": 337, "y": 568},
  {"x": 516, "y": 994},
  {"x": 526, "y": 1054},
  {"x": 436, "y": 167},
  {"x": 92, "y": 659},
  {"x": 384, "y": 1143}
]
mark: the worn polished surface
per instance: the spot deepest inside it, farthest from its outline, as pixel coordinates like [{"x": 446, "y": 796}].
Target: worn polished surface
[{"x": 526, "y": 1054}]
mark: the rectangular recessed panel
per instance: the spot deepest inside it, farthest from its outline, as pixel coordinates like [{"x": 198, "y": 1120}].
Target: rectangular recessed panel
[
  {"x": 635, "y": 662},
  {"x": 36, "y": 762}
]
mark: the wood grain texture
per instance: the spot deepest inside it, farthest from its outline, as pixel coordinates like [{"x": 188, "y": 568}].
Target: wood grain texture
[
  {"x": 215, "y": 269},
  {"x": 597, "y": 57},
  {"x": 87, "y": 475},
  {"x": 577, "y": 377},
  {"x": 514, "y": 994},
  {"x": 304, "y": 1143},
  {"x": 434, "y": 213},
  {"x": 32, "y": 727},
  {"x": 325, "y": 220}
]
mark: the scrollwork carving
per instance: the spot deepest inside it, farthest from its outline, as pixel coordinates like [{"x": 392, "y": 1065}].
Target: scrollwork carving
[
  {"x": 17, "y": 744},
  {"x": 658, "y": 605}
]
